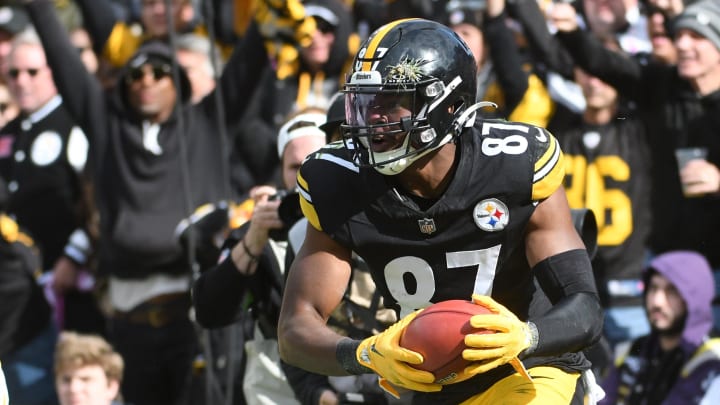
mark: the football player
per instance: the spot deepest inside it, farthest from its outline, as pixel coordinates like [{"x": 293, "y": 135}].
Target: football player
[{"x": 442, "y": 205}]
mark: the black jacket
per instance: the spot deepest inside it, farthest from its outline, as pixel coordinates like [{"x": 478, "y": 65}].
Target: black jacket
[
  {"x": 47, "y": 197},
  {"x": 142, "y": 196}
]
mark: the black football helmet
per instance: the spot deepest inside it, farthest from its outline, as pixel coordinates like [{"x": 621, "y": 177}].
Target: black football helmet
[{"x": 416, "y": 66}]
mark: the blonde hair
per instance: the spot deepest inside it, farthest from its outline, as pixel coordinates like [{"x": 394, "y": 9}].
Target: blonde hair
[{"x": 75, "y": 350}]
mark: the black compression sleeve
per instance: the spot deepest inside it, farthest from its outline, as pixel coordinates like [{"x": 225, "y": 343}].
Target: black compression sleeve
[
  {"x": 571, "y": 325},
  {"x": 576, "y": 318}
]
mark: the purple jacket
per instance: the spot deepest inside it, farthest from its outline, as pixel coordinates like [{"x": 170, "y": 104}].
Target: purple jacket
[{"x": 692, "y": 276}]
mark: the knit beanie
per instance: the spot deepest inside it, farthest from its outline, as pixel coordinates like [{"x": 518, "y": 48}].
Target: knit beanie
[{"x": 702, "y": 17}]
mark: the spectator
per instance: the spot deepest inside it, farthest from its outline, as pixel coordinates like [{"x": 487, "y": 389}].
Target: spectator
[
  {"x": 659, "y": 20},
  {"x": 202, "y": 62},
  {"x": 334, "y": 118},
  {"x": 8, "y": 107},
  {"x": 150, "y": 146},
  {"x": 88, "y": 371},
  {"x": 682, "y": 113},
  {"x": 503, "y": 77},
  {"x": 623, "y": 19},
  {"x": 27, "y": 332},
  {"x": 218, "y": 301},
  {"x": 81, "y": 39},
  {"x": 310, "y": 81},
  {"x": 117, "y": 40},
  {"x": 196, "y": 55},
  {"x": 13, "y": 20},
  {"x": 677, "y": 362},
  {"x": 609, "y": 171},
  {"x": 44, "y": 169}
]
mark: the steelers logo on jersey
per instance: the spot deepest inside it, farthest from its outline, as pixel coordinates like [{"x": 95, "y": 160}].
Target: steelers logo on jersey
[{"x": 491, "y": 215}]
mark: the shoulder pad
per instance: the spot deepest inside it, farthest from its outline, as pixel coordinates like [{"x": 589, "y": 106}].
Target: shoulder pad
[
  {"x": 549, "y": 165},
  {"x": 323, "y": 175},
  {"x": 539, "y": 144}
]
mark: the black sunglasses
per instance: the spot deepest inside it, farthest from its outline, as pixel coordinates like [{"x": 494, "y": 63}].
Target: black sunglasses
[
  {"x": 157, "y": 71},
  {"x": 15, "y": 73}
]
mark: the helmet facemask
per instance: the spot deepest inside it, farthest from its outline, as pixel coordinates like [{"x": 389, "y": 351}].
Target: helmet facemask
[
  {"x": 389, "y": 126},
  {"x": 421, "y": 66}
]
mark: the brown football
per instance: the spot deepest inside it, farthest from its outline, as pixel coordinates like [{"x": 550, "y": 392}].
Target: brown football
[{"x": 438, "y": 334}]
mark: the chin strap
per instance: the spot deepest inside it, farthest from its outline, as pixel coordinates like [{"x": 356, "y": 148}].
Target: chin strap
[{"x": 467, "y": 118}]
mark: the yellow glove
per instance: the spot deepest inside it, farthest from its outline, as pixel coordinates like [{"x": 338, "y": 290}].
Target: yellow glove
[
  {"x": 284, "y": 27},
  {"x": 382, "y": 353},
  {"x": 491, "y": 350}
]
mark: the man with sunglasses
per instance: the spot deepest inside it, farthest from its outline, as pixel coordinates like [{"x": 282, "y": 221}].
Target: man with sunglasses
[
  {"x": 156, "y": 156},
  {"x": 42, "y": 160}
]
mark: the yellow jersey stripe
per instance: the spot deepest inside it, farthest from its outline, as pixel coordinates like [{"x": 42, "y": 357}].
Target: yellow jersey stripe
[
  {"x": 550, "y": 175},
  {"x": 547, "y": 156},
  {"x": 306, "y": 205},
  {"x": 309, "y": 211}
]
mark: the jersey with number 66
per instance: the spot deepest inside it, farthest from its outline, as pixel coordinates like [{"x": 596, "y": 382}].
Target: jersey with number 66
[{"x": 471, "y": 240}]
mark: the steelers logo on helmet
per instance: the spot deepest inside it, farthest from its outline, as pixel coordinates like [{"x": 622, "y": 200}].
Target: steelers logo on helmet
[
  {"x": 409, "y": 93},
  {"x": 491, "y": 215}
]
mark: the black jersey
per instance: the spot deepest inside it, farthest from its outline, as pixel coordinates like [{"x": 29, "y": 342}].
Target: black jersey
[
  {"x": 471, "y": 240},
  {"x": 608, "y": 170}
]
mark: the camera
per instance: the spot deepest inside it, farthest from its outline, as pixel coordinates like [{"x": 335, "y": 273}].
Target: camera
[{"x": 289, "y": 210}]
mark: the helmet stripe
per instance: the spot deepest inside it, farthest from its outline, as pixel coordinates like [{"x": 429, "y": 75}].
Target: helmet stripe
[{"x": 372, "y": 46}]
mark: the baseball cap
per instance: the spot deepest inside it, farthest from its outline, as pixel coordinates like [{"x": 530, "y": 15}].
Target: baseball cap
[
  {"x": 335, "y": 114},
  {"x": 13, "y": 19},
  {"x": 299, "y": 126},
  {"x": 465, "y": 12},
  {"x": 315, "y": 9}
]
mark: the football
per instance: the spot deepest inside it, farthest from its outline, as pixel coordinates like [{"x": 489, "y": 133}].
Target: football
[{"x": 438, "y": 334}]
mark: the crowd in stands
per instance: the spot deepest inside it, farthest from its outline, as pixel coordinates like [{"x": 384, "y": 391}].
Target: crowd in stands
[{"x": 148, "y": 151}]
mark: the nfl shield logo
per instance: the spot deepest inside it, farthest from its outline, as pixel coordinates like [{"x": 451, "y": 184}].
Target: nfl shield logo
[{"x": 427, "y": 225}]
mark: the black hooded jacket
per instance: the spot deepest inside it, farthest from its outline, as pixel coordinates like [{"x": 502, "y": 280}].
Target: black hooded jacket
[{"x": 141, "y": 196}]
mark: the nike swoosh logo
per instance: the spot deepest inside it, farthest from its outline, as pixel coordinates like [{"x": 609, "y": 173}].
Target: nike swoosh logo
[{"x": 374, "y": 350}]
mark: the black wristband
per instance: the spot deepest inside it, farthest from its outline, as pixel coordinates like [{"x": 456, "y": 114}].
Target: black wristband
[{"x": 345, "y": 355}]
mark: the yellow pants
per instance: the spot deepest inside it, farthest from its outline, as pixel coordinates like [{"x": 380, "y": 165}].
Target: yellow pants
[{"x": 550, "y": 386}]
